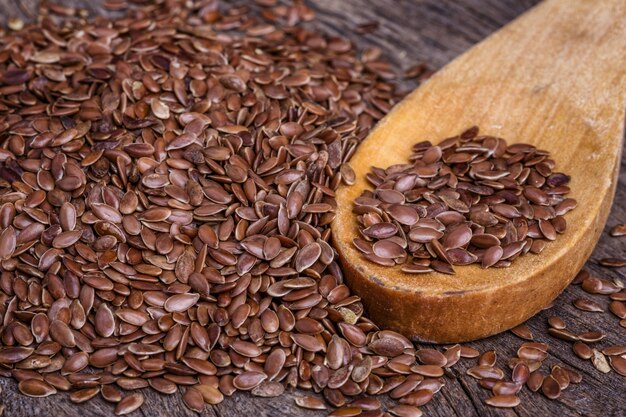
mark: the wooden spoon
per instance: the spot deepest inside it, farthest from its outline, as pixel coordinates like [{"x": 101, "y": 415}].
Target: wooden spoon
[{"x": 555, "y": 78}]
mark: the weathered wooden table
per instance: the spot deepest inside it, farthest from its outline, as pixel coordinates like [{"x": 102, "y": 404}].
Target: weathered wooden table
[{"x": 410, "y": 31}]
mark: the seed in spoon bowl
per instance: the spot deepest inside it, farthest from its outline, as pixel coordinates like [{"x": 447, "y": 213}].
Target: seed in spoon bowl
[
  {"x": 467, "y": 236},
  {"x": 387, "y": 249}
]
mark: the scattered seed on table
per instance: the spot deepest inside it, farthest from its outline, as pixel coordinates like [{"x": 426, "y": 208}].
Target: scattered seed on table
[
  {"x": 556, "y": 322},
  {"x": 535, "y": 381},
  {"x": 310, "y": 402},
  {"x": 582, "y": 350},
  {"x": 129, "y": 403},
  {"x": 599, "y": 361},
  {"x": 586, "y": 304},
  {"x": 522, "y": 331},
  {"x": 612, "y": 262},
  {"x": 618, "y": 230},
  {"x": 503, "y": 401},
  {"x": 551, "y": 388},
  {"x": 618, "y": 363}
]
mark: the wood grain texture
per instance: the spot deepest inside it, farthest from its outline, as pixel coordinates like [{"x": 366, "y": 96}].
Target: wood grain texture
[
  {"x": 411, "y": 31},
  {"x": 554, "y": 78}
]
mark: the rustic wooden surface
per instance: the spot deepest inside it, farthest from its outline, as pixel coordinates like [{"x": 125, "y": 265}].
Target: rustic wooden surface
[{"x": 411, "y": 31}]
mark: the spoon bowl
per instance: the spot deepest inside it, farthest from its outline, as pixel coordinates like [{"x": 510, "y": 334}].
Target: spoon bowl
[{"x": 554, "y": 78}]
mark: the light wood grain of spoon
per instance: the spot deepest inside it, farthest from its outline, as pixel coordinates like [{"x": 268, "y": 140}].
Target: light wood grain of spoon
[{"x": 556, "y": 78}]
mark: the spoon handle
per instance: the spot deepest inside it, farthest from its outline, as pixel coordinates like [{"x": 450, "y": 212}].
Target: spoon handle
[{"x": 561, "y": 53}]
